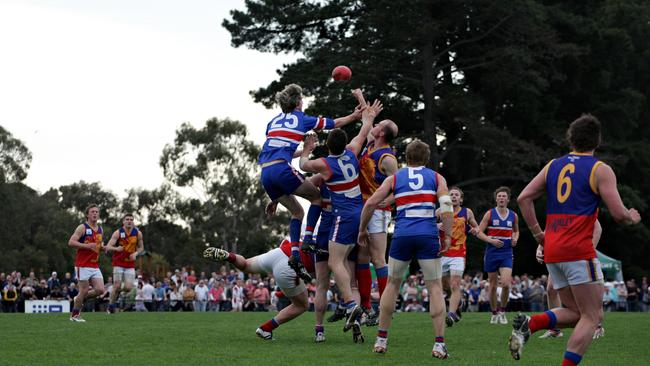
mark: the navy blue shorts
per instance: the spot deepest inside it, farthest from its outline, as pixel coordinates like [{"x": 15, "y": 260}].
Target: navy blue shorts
[
  {"x": 345, "y": 229},
  {"x": 492, "y": 263},
  {"x": 406, "y": 248},
  {"x": 281, "y": 179}
]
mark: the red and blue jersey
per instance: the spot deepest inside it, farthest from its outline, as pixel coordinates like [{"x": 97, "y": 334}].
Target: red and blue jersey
[
  {"x": 90, "y": 257},
  {"x": 416, "y": 195},
  {"x": 571, "y": 208},
  {"x": 343, "y": 184},
  {"x": 372, "y": 175},
  {"x": 128, "y": 241},
  {"x": 285, "y": 132},
  {"x": 500, "y": 227}
]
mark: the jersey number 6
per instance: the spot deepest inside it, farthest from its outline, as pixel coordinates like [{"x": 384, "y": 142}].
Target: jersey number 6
[{"x": 564, "y": 181}]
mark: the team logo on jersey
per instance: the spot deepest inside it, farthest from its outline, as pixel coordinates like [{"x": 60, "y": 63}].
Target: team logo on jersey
[
  {"x": 89, "y": 232},
  {"x": 573, "y": 158},
  {"x": 495, "y": 222},
  {"x": 509, "y": 223},
  {"x": 122, "y": 235}
]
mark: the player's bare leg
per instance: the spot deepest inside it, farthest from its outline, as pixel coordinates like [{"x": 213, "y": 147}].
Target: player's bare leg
[
  {"x": 453, "y": 286},
  {"x": 432, "y": 272},
  {"x": 588, "y": 298},
  {"x": 386, "y": 310},
  {"x": 338, "y": 254},
  {"x": 298, "y": 306},
  {"x": 115, "y": 293},
  {"x": 493, "y": 280},
  {"x": 377, "y": 246},
  {"x": 320, "y": 300},
  {"x": 505, "y": 277},
  {"x": 78, "y": 301},
  {"x": 553, "y": 301}
]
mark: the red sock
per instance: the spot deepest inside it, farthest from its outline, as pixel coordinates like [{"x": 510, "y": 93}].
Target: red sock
[
  {"x": 545, "y": 320},
  {"x": 270, "y": 325},
  {"x": 567, "y": 362},
  {"x": 381, "y": 283},
  {"x": 364, "y": 281},
  {"x": 232, "y": 257}
]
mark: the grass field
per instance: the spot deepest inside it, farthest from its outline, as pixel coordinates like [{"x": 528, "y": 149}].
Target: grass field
[{"x": 229, "y": 339}]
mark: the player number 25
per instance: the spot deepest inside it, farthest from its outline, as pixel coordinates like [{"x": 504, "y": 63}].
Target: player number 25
[
  {"x": 287, "y": 120},
  {"x": 564, "y": 183}
]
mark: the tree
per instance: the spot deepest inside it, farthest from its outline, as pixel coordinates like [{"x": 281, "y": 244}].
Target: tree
[
  {"x": 219, "y": 164},
  {"x": 77, "y": 196},
  {"x": 15, "y": 158},
  {"x": 491, "y": 84}
]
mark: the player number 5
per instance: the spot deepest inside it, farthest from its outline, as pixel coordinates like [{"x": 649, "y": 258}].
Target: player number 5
[
  {"x": 564, "y": 182},
  {"x": 419, "y": 180}
]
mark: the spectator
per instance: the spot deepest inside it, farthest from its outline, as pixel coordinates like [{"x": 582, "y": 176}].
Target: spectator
[
  {"x": 188, "y": 298},
  {"x": 200, "y": 296},
  {"x": 216, "y": 295},
  {"x": 238, "y": 296},
  {"x": 608, "y": 303},
  {"x": 159, "y": 297},
  {"x": 9, "y": 298},
  {"x": 42, "y": 292},
  {"x": 53, "y": 281},
  {"x": 535, "y": 297},
  {"x": 633, "y": 293},
  {"x": 191, "y": 278},
  {"x": 474, "y": 294},
  {"x": 645, "y": 295},
  {"x": 621, "y": 292},
  {"x": 484, "y": 297},
  {"x": 67, "y": 279},
  {"x": 148, "y": 293},
  {"x": 139, "y": 298},
  {"x": 261, "y": 297}
]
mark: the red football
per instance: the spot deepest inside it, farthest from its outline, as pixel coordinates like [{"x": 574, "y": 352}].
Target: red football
[{"x": 341, "y": 73}]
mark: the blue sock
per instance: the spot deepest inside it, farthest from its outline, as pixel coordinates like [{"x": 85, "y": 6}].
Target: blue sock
[
  {"x": 294, "y": 237},
  {"x": 553, "y": 319},
  {"x": 573, "y": 357},
  {"x": 381, "y": 272},
  {"x": 312, "y": 217}
]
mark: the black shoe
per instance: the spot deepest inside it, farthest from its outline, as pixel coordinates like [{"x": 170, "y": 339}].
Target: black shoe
[
  {"x": 300, "y": 270},
  {"x": 339, "y": 314},
  {"x": 373, "y": 318},
  {"x": 352, "y": 317},
  {"x": 357, "y": 335}
]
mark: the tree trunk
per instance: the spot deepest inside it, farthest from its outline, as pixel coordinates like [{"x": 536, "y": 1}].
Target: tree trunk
[{"x": 429, "y": 125}]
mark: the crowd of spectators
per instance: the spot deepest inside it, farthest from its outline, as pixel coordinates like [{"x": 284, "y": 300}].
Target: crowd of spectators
[{"x": 230, "y": 290}]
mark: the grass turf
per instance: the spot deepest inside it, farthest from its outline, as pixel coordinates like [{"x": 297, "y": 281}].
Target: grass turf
[{"x": 229, "y": 339}]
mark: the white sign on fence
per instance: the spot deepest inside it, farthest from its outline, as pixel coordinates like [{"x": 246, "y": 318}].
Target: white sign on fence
[{"x": 47, "y": 306}]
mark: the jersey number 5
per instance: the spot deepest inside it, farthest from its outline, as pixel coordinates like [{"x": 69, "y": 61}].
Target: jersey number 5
[
  {"x": 564, "y": 183},
  {"x": 419, "y": 180}
]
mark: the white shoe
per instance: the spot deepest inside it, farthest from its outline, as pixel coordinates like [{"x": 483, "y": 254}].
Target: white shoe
[
  {"x": 520, "y": 334},
  {"x": 216, "y": 254},
  {"x": 264, "y": 334},
  {"x": 502, "y": 318},
  {"x": 552, "y": 334},
  {"x": 440, "y": 351},
  {"x": 494, "y": 319},
  {"x": 320, "y": 337},
  {"x": 77, "y": 318},
  {"x": 600, "y": 332},
  {"x": 381, "y": 344}
]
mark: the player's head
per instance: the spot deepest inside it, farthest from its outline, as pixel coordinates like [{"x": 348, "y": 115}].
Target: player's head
[
  {"x": 289, "y": 98},
  {"x": 92, "y": 212},
  {"x": 385, "y": 129},
  {"x": 337, "y": 139},
  {"x": 456, "y": 194},
  {"x": 584, "y": 133},
  {"x": 417, "y": 153},
  {"x": 502, "y": 196},
  {"x": 127, "y": 220}
]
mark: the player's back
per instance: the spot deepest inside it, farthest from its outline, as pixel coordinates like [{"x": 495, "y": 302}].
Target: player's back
[
  {"x": 572, "y": 208},
  {"x": 415, "y": 190},
  {"x": 371, "y": 174},
  {"x": 343, "y": 183},
  {"x": 285, "y": 132}
]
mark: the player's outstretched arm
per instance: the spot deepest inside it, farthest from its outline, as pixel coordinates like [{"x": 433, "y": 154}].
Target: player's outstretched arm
[
  {"x": 367, "y": 117},
  {"x": 526, "y": 201},
  {"x": 606, "y": 187},
  {"x": 369, "y": 207},
  {"x": 356, "y": 114}
]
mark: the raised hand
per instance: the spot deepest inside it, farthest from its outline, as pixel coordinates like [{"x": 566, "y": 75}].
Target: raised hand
[{"x": 310, "y": 142}]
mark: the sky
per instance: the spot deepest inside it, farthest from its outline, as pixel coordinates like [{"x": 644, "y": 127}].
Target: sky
[{"x": 95, "y": 89}]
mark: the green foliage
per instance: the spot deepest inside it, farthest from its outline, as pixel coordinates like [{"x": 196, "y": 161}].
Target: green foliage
[{"x": 15, "y": 158}]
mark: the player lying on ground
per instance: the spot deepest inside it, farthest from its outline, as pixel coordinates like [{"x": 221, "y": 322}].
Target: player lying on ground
[{"x": 273, "y": 261}]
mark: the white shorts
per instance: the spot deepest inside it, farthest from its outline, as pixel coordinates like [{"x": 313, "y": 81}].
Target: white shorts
[
  {"x": 87, "y": 273},
  {"x": 453, "y": 265},
  {"x": 124, "y": 275},
  {"x": 379, "y": 222},
  {"x": 575, "y": 273},
  {"x": 431, "y": 268},
  {"x": 276, "y": 262}
]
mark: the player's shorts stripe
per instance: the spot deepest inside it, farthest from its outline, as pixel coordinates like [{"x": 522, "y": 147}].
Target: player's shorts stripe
[
  {"x": 592, "y": 270},
  {"x": 336, "y": 228}
]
